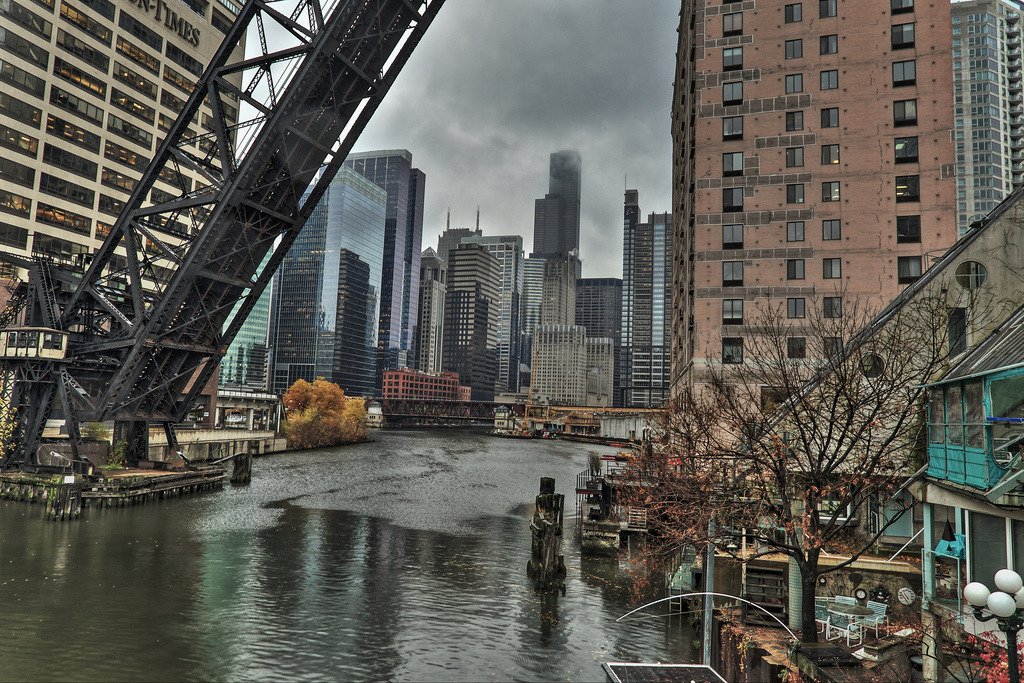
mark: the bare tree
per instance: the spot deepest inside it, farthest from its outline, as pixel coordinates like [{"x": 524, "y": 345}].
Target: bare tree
[{"x": 794, "y": 432}]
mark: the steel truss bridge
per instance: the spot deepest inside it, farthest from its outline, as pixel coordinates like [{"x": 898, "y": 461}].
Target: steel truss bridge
[
  {"x": 142, "y": 329},
  {"x": 406, "y": 409}
]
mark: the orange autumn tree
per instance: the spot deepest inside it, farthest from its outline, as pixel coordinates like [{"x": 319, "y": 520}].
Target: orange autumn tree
[{"x": 320, "y": 414}]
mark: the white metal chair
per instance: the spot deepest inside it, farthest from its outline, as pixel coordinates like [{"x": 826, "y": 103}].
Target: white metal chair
[
  {"x": 879, "y": 617},
  {"x": 821, "y": 613},
  {"x": 843, "y": 625}
]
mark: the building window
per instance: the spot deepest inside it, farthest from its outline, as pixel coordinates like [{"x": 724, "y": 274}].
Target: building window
[
  {"x": 732, "y": 311},
  {"x": 832, "y": 306},
  {"x": 901, "y": 6},
  {"x": 732, "y": 163},
  {"x": 830, "y": 154},
  {"x": 830, "y": 191},
  {"x": 732, "y": 59},
  {"x": 794, "y": 48},
  {"x": 732, "y": 273},
  {"x": 732, "y": 350},
  {"x": 908, "y": 268},
  {"x": 902, "y": 36},
  {"x": 794, "y": 157},
  {"x": 732, "y": 93},
  {"x": 906, "y": 150},
  {"x": 827, "y": 8},
  {"x": 831, "y": 268},
  {"x": 904, "y": 113},
  {"x": 908, "y": 188},
  {"x": 732, "y": 199},
  {"x": 795, "y": 269},
  {"x": 732, "y": 236},
  {"x": 956, "y": 327},
  {"x": 795, "y": 194},
  {"x": 830, "y": 79},
  {"x": 732, "y": 24},
  {"x": 830, "y": 230},
  {"x": 908, "y": 229},
  {"x": 794, "y": 13},
  {"x": 828, "y": 45},
  {"x": 795, "y": 231},
  {"x": 795, "y": 307},
  {"x": 796, "y": 347},
  {"x": 794, "y": 120},
  {"x": 830, "y": 117},
  {"x": 970, "y": 274},
  {"x": 904, "y": 73},
  {"x": 794, "y": 83},
  {"x": 732, "y": 128}
]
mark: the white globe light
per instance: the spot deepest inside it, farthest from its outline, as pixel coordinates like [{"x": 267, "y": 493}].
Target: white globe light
[
  {"x": 1001, "y": 604},
  {"x": 976, "y": 594},
  {"x": 1008, "y": 581},
  {"x": 1019, "y": 598}
]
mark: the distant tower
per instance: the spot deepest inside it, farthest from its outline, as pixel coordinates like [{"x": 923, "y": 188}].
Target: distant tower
[
  {"x": 430, "y": 328},
  {"x": 471, "y": 308},
  {"x": 599, "y": 310},
  {"x": 556, "y": 223},
  {"x": 559, "y": 293},
  {"x": 508, "y": 249},
  {"x": 451, "y": 238},
  {"x": 403, "y": 233},
  {"x": 646, "y": 298}
]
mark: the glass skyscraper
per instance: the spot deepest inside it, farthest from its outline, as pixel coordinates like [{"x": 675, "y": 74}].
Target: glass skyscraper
[
  {"x": 328, "y": 292},
  {"x": 246, "y": 363},
  {"x": 403, "y": 234}
]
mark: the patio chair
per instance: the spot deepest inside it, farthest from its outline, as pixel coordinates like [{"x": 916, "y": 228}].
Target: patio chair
[
  {"x": 879, "y": 618},
  {"x": 843, "y": 625},
  {"x": 821, "y": 613},
  {"x": 845, "y": 600}
]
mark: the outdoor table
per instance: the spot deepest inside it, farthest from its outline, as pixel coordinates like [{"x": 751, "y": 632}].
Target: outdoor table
[{"x": 854, "y": 612}]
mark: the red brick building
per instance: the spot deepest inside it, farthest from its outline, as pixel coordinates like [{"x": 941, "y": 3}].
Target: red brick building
[
  {"x": 421, "y": 385},
  {"x": 814, "y": 161}
]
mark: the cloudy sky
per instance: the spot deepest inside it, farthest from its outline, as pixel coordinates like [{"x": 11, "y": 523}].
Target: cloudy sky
[{"x": 497, "y": 85}]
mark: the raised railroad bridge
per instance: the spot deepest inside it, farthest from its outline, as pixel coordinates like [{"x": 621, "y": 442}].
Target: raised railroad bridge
[{"x": 408, "y": 409}]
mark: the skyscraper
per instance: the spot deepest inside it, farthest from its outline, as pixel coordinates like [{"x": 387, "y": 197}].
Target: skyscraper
[
  {"x": 533, "y": 297},
  {"x": 556, "y": 218},
  {"x": 508, "y": 249},
  {"x": 430, "y": 327},
  {"x": 646, "y": 297},
  {"x": 813, "y": 162},
  {"x": 599, "y": 310},
  {"x": 88, "y": 90},
  {"x": 558, "y": 303},
  {"x": 328, "y": 294},
  {"x": 988, "y": 101},
  {"x": 403, "y": 233},
  {"x": 470, "y": 345},
  {"x": 451, "y": 237}
]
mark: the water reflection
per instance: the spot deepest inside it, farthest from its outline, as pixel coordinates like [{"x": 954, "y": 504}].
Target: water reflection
[{"x": 404, "y": 559}]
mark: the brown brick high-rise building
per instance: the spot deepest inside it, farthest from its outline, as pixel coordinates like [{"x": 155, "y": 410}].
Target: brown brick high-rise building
[{"x": 813, "y": 161}]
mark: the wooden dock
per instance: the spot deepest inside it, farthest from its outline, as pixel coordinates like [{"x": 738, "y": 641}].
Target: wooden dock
[{"x": 65, "y": 494}]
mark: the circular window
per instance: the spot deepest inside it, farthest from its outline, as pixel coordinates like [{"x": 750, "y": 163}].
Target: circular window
[
  {"x": 970, "y": 275},
  {"x": 872, "y": 365}
]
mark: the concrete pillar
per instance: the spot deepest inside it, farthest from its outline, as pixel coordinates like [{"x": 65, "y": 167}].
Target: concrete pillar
[{"x": 931, "y": 646}]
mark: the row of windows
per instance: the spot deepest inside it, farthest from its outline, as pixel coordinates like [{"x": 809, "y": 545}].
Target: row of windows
[
  {"x": 908, "y": 269},
  {"x": 796, "y": 348},
  {"x": 908, "y": 189},
  {"x": 908, "y": 230},
  {"x": 903, "y": 73},
  {"x": 904, "y": 113},
  {"x": 829, "y": 8},
  {"x": 796, "y": 307}
]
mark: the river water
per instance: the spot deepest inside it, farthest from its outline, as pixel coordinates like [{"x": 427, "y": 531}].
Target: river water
[{"x": 402, "y": 559}]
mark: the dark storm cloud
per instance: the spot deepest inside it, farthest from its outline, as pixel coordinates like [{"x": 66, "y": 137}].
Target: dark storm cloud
[{"x": 497, "y": 85}]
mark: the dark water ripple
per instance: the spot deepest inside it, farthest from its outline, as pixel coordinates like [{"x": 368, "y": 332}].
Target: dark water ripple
[{"x": 401, "y": 560}]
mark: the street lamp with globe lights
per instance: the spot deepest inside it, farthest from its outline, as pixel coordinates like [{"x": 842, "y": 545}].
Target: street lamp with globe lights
[{"x": 1003, "y": 605}]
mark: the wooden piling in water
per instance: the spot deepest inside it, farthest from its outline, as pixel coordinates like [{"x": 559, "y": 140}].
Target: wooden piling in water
[{"x": 547, "y": 565}]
